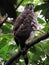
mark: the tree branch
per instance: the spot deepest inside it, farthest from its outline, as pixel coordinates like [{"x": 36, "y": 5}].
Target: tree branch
[
  {"x": 44, "y": 36},
  {"x": 19, "y": 4},
  {"x": 1, "y": 22}
]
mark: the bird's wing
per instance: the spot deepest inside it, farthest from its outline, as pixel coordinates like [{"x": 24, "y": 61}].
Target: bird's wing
[
  {"x": 20, "y": 20},
  {"x": 25, "y": 28}
]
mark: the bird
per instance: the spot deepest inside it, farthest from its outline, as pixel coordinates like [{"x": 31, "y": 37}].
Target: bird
[{"x": 24, "y": 27}]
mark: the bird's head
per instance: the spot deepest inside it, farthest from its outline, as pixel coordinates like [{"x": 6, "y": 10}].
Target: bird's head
[{"x": 29, "y": 7}]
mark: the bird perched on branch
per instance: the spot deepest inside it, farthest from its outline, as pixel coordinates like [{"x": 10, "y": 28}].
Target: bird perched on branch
[{"x": 24, "y": 27}]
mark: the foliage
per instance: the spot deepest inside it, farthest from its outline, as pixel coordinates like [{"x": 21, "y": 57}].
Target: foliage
[{"x": 38, "y": 54}]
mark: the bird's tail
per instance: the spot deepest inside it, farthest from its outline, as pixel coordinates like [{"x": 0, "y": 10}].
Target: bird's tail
[
  {"x": 26, "y": 59},
  {"x": 25, "y": 54}
]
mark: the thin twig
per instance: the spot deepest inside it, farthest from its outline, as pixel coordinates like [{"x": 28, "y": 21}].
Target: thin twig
[
  {"x": 8, "y": 34},
  {"x": 1, "y": 22},
  {"x": 41, "y": 31},
  {"x": 19, "y": 4}
]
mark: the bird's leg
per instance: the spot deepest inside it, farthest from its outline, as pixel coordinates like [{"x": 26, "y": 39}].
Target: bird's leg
[{"x": 25, "y": 53}]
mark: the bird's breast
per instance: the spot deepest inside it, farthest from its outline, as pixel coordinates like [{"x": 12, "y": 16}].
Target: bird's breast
[{"x": 30, "y": 38}]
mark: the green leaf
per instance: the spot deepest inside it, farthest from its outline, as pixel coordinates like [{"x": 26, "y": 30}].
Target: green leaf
[
  {"x": 6, "y": 28},
  {"x": 41, "y": 7},
  {"x": 26, "y": 1},
  {"x": 40, "y": 20},
  {"x": 46, "y": 27},
  {"x": 3, "y": 42}
]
